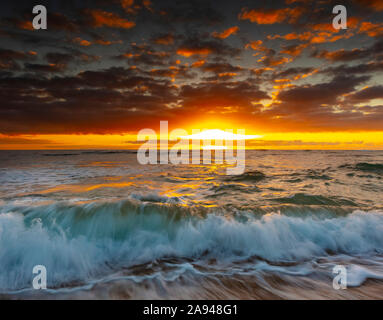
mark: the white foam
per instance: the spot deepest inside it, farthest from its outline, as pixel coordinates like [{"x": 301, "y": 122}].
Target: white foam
[{"x": 357, "y": 275}]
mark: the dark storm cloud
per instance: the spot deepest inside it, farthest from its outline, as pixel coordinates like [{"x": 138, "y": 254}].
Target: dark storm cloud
[
  {"x": 323, "y": 93},
  {"x": 12, "y": 60},
  {"x": 76, "y": 103},
  {"x": 221, "y": 95},
  {"x": 42, "y": 68}
]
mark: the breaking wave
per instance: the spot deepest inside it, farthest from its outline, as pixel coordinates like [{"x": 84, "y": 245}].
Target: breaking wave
[{"x": 78, "y": 243}]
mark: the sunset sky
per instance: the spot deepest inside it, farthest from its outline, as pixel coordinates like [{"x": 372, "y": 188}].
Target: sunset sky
[{"x": 106, "y": 69}]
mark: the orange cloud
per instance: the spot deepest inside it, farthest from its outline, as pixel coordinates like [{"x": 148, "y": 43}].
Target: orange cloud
[
  {"x": 188, "y": 52},
  {"x": 103, "y": 42},
  {"x": 25, "y": 25},
  {"x": 295, "y": 50},
  {"x": 255, "y": 45},
  {"x": 321, "y": 33},
  {"x": 147, "y": 4},
  {"x": 226, "y": 33},
  {"x": 126, "y": 4},
  {"x": 293, "y": 36},
  {"x": 164, "y": 40},
  {"x": 313, "y": 37},
  {"x": 271, "y": 16},
  {"x": 109, "y": 19},
  {"x": 305, "y": 75},
  {"x": 131, "y": 7},
  {"x": 198, "y": 64},
  {"x": 371, "y": 29},
  {"x": 86, "y": 43},
  {"x": 279, "y": 61},
  {"x": 227, "y": 74},
  {"x": 82, "y": 42},
  {"x": 352, "y": 23}
]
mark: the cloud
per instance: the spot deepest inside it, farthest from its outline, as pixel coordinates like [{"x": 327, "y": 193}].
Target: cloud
[
  {"x": 9, "y": 59},
  {"x": 165, "y": 39},
  {"x": 221, "y": 67},
  {"x": 342, "y": 54},
  {"x": 44, "y": 68},
  {"x": 25, "y": 25},
  {"x": 190, "y": 51},
  {"x": 322, "y": 93},
  {"x": 367, "y": 94},
  {"x": 226, "y": 33},
  {"x": 218, "y": 96},
  {"x": 134, "y": 6},
  {"x": 57, "y": 21},
  {"x": 194, "y": 46},
  {"x": 101, "y": 18},
  {"x": 92, "y": 101},
  {"x": 82, "y": 42},
  {"x": 14, "y": 140},
  {"x": 294, "y": 50},
  {"x": 317, "y": 33},
  {"x": 272, "y": 16},
  {"x": 376, "y": 5},
  {"x": 180, "y": 61},
  {"x": 145, "y": 56},
  {"x": 371, "y": 29}
]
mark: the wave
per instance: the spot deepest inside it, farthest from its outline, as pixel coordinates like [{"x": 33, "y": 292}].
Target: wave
[
  {"x": 60, "y": 154},
  {"x": 228, "y": 189},
  {"x": 369, "y": 167},
  {"x": 153, "y": 197},
  {"x": 77, "y": 243},
  {"x": 251, "y": 176},
  {"x": 365, "y": 167},
  {"x": 305, "y": 199}
]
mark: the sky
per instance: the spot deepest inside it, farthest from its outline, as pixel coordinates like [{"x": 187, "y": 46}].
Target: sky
[{"x": 105, "y": 69}]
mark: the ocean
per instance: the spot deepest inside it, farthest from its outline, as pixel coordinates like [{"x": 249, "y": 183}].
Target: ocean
[{"x": 106, "y": 227}]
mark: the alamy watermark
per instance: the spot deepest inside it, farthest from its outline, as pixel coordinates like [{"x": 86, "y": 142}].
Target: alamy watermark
[
  {"x": 40, "y": 20},
  {"x": 340, "y": 280},
  {"x": 39, "y": 281},
  {"x": 340, "y": 20},
  {"x": 228, "y": 147}
]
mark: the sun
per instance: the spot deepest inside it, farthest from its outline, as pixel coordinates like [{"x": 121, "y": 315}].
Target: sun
[
  {"x": 217, "y": 134},
  {"x": 211, "y": 147}
]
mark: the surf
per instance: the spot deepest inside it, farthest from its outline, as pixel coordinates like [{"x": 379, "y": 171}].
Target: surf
[{"x": 81, "y": 242}]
